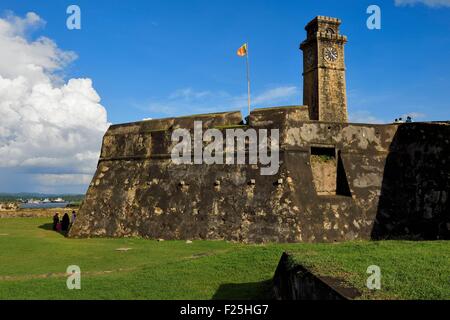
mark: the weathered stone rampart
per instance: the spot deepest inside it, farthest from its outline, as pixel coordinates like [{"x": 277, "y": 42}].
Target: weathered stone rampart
[{"x": 388, "y": 181}]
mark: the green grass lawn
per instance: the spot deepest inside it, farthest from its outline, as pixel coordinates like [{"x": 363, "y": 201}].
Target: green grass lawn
[{"x": 33, "y": 261}]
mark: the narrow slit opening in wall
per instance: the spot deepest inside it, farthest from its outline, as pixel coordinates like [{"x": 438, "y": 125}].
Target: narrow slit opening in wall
[
  {"x": 328, "y": 172},
  {"x": 342, "y": 187}
]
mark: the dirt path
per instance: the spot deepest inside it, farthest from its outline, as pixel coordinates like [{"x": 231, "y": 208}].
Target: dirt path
[{"x": 61, "y": 274}]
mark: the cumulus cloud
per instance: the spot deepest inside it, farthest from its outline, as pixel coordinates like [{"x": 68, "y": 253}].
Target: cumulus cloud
[
  {"x": 429, "y": 3},
  {"x": 50, "y": 128}
]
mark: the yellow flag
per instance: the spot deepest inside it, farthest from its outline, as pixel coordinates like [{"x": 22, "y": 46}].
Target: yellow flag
[{"x": 242, "y": 51}]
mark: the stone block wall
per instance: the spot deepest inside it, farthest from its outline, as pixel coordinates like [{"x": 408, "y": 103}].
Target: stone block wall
[{"x": 391, "y": 181}]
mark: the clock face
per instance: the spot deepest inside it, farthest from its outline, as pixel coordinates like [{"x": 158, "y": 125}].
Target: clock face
[{"x": 330, "y": 54}]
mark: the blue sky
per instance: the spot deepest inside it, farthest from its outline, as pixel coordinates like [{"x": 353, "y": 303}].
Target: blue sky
[
  {"x": 140, "y": 54},
  {"x": 151, "y": 59}
]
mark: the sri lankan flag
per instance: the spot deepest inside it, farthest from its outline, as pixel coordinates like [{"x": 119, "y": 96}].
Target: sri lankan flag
[{"x": 242, "y": 51}]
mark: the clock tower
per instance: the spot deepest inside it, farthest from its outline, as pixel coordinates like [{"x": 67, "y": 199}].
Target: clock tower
[{"x": 324, "y": 70}]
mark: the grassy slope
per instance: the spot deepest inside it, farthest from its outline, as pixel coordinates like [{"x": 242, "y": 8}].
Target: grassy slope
[
  {"x": 33, "y": 261},
  {"x": 412, "y": 270}
]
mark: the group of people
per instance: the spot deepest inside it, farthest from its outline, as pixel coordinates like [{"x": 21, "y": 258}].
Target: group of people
[
  {"x": 400, "y": 120},
  {"x": 65, "y": 223}
]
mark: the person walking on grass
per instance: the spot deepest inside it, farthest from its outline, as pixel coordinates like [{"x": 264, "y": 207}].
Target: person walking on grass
[
  {"x": 55, "y": 221},
  {"x": 65, "y": 222},
  {"x": 74, "y": 217}
]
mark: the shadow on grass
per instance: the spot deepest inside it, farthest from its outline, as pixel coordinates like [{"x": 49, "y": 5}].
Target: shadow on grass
[
  {"x": 49, "y": 227},
  {"x": 245, "y": 291},
  {"x": 46, "y": 226}
]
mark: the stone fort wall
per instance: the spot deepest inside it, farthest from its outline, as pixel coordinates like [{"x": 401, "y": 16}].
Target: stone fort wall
[{"x": 336, "y": 182}]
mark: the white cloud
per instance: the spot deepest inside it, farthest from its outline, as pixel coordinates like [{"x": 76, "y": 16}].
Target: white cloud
[
  {"x": 189, "y": 94},
  {"x": 429, "y": 3},
  {"x": 12, "y": 25},
  {"x": 190, "y": 101},
  {"x": 417, "y": 116},
  {"x": 276, "y": 95},
  {"x": 47, "y": 125},
  {"x": 55, "y": 180},
  {"x": 363, "y": 116}
]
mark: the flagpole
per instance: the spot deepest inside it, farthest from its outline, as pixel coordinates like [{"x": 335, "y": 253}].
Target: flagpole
[{"x": 248, "y": 82}]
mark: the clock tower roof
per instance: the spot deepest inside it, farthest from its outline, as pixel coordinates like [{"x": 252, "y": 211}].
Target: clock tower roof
[
  {"x": 323, "y": 19},
  {"x": 323, "y": 28}
]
